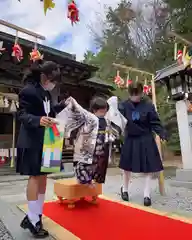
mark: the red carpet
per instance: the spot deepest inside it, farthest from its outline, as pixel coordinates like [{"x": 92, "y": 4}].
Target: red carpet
[{"x": 113, "y": 221}]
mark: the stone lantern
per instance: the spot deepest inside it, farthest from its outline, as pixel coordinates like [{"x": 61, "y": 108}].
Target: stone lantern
[{"x": 179, "y": 86}]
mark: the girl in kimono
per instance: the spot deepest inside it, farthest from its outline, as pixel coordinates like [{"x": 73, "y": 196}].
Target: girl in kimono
[
  {"x": 40, "y": 80},
  {"x": 139, "y": 152},
  {"x": 96, "y": 171}
]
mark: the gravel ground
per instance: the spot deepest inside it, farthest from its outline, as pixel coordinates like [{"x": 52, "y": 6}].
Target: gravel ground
[
  {"x": 176, "y": 201},
  {"x": 4, "y": 233}
]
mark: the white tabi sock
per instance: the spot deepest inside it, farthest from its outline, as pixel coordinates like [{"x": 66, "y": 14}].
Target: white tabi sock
[
  {"x": 147, "y": 188},
  {"x": 41, "y": 199},
  {"x": 33, "y": 211},
  {"x": 126, "y": 178}
]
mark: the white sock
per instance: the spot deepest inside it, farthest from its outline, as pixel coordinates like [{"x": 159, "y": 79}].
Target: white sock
[
  {"x": 126, "y": 178},
  {"x": 147, "y": 188},
  {"x": 33, "y": 211},
  {"x": 41, "y": 199}
]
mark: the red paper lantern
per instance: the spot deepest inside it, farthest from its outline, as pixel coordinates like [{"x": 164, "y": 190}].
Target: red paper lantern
[{"x": 73, "y": 12}]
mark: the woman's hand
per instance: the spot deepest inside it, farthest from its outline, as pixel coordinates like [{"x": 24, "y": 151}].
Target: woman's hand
[{"x": 46, "y": 122}]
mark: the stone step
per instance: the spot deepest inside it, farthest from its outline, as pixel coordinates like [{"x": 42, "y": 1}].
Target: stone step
[{"x": 183, "y": 184}]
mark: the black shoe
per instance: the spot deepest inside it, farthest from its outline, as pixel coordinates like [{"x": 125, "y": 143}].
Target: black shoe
[
  {"x": 124, "y": 195},
  {"x": 37, "y": 231},
  {"x": 147, "y": 202}
]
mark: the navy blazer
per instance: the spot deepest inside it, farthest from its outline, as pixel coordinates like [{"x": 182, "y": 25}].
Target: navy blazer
[
  {"x": 30, "y": 111},
  {"x": 142, "y": 119}
]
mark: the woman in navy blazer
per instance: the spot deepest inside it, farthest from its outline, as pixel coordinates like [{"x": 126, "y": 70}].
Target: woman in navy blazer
[{"x": 41, "y": 79}]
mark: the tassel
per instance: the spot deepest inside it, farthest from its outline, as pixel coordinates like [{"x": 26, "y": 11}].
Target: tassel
[{"x": 55, "y": 130}]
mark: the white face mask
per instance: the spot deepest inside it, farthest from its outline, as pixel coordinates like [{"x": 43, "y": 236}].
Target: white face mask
[
  {"x": 135, "y": 98},
  {"x": 50, "y": 86}
]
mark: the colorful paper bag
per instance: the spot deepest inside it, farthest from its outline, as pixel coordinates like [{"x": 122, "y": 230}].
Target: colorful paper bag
[{"x": 52, "y": 149}]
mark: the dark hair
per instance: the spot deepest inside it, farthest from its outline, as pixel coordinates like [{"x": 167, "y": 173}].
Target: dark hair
[
  {"x": 98, "y": 103},
  {"x": 135, "y": 88},
  {"x": 49, "y": 68}
]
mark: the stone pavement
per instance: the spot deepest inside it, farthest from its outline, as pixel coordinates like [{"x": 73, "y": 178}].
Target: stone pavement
[
  {"x": 12, "y": 192},
  {"x": 4, "y": 233}
]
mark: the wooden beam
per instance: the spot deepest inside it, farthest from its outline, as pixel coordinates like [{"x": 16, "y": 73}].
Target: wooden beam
[
  {"x": 20, "y": 29},
  {"x": 131, "y": 69},
  {"x": 179, "y": 37}
]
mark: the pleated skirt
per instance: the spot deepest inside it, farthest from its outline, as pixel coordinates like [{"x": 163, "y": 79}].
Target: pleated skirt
[
  {"x": 139, "y": 154},
  {"x": 29, "y": 161}
]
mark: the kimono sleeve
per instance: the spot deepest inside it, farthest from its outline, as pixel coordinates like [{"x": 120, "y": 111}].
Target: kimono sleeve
[
  {"x": 25, "y": 107},
  {"x": 156, "y": 123},
  {"x": 72, "y": 116}
]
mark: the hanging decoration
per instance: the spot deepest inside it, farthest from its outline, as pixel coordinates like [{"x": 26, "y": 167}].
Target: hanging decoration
[
  {"x": 13, "y": 107},
  {"x": 6, "y": 103},
  {"x": 17, "y": 51},
  {"x": 1, "y": 48},
  {"x": 73, "y": 12},
  {"x": 128, "y": 81},
  {"x": 17, "y": 104},
  {"x": 147, "y": 88},
  {"x": 118, "y": 80},
  {"x": 180, "y": 57},
  {"x": 48, "y": 5},
  {"x": 1, "y": 102},
  {"x": 35, "y": 55},
  {"x": 185, "y": 57},
  {"x": 175, "y": 51}
]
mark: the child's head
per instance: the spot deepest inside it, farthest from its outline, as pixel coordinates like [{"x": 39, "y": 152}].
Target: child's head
[
  {"x": 135, "y": 91},
  {"x": 99, "y": 106}
]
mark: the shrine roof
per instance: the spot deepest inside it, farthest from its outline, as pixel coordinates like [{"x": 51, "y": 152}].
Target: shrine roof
[
  {"x": 168, "y": 71},
  {"x": 66, "y": 60},
  {"x": 98, "y": 81}
]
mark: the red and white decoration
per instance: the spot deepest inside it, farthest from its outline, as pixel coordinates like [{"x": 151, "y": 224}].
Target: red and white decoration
[
  {"x": 73, "y": 12},
  {"x": 2, "y": 49},
  {"x": 17, "y": 52},
  {"x": 180, "y": 57},
  {"x": 147, "y": 89},
  {"x": 118, "y": 80}
]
